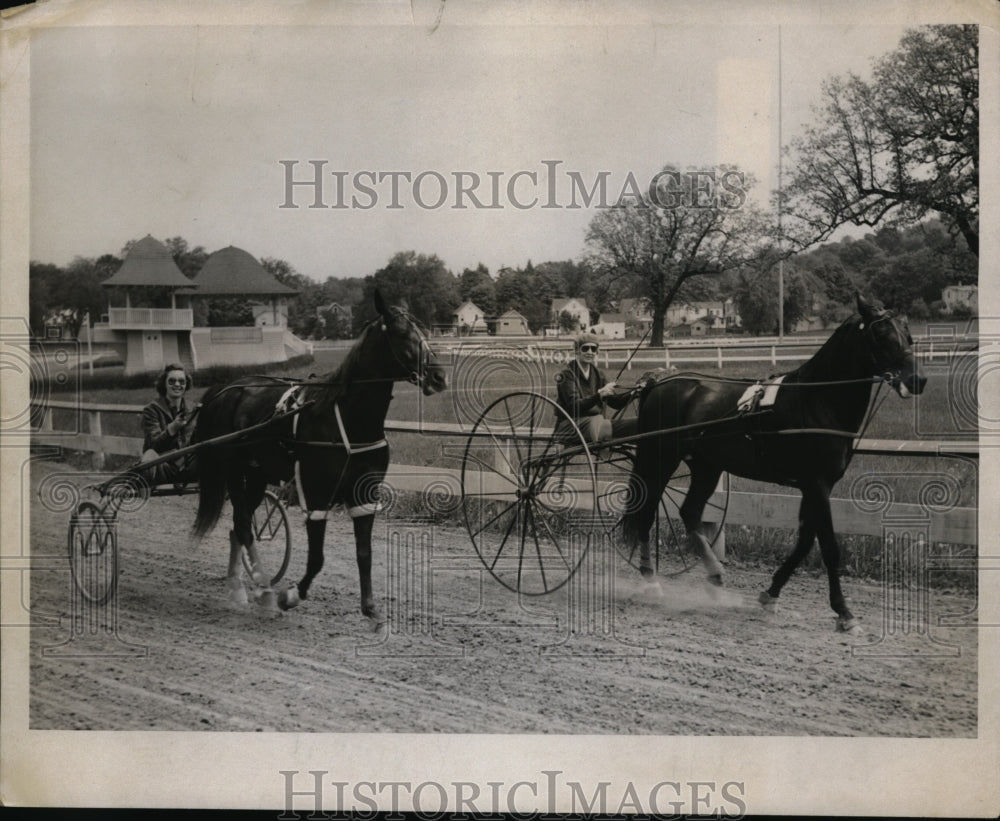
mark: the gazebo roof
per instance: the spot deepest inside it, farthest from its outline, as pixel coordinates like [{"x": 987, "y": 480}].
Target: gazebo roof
[
  {"x": 149, "y": 263},
  {"x": 232, "y": 271}
]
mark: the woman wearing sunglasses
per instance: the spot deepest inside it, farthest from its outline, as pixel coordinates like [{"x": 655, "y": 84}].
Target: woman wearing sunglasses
[
  {"x": 167, "y": 424},
  {"x": 583, "y": 394}
]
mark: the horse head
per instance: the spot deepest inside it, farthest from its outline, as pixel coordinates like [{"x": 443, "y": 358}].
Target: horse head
[
  {"x": 891, "y": 348},
  {"x": 408, "y": 349}
]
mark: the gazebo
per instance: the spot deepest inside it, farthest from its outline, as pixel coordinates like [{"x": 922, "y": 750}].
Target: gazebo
[
  {"x": 232, "y": 273},
  {"x": 153, "y": 327}
]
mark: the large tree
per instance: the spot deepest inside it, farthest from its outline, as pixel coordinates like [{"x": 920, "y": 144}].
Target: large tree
[
  {"x": 894, "y": 149},
  {"x": 659, "y": 243},
  {"x": 421, "y": 282}
]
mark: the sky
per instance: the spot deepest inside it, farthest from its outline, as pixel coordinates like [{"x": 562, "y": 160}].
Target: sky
[{"x": 195, "y": 131}]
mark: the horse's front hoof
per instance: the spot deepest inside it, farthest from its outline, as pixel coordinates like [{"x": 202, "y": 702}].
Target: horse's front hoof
[
  {"x": 715, "y": 580},
  {"x": 237, "y": 594},
  {"x": 646, "y": 571},
  {"x": 259, "y": 576},
  {"x": 370, "y": 611},
  {"x": 267, "y": 599},
  {"x": 850, "y": 626},
  {"x": 768, "y": 602},
  {"x": 287, "y": 599}
]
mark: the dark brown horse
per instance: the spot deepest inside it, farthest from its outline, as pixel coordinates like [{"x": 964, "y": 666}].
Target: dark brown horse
[
  {"x": 805, "y": 440},
  {"x": 334, "y": 446}
]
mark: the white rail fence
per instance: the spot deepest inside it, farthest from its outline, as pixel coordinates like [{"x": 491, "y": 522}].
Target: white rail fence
[{"x": 873, "y": 514}]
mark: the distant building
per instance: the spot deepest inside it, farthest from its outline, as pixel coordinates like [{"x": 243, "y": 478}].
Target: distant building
[
  {"x": 687, "y": 312},
  {"x": 611, "y": 326},
  {"x": 469, "y": 318},
  {"x": 336, "y": 319},
  {"x": 512, "y": 323},
  {"x": 155, "y": 325},
  {"x": 961, "y": 297},
  {"x": 575, "y": 307}
]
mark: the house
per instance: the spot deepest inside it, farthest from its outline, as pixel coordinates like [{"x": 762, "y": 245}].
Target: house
[
  {"x": 687, "y": 312},
  {"x": 335, "y": 319},
  {"x": 575, "y": 307},
  {"x": 961, "y": 297},
  {"x": 637, "y": 310},
  {"x": 512, "y": 323},
  {"x": 468, "y": 318},
  {"x": 611, "y": 326}
]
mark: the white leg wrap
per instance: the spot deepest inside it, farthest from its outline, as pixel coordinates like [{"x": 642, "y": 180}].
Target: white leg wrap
[{"x": 317, "y": 515}]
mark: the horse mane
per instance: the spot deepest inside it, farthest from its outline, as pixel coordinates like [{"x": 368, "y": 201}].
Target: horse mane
[
  {"x": 829, "y": 361},
  {"x": 333, "y": 385}
]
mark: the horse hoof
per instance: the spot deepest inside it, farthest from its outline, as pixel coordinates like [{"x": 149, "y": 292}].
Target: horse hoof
[
  {"x": 768, "y": 602},
  {"x": 259, "y": 576},
  {"x": 237, "y": 593},
  {"x": 646, "y": 571},
  {"x": 850, "y": 626},
  {"x": 715, "y": 580},
  {"x": 267, "y": 599},
  {"x": 287, "y": 599}
]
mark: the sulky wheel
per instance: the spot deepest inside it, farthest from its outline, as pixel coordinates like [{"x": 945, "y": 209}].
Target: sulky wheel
[
  {"x": 529, "y": 501},
  {"x": 93, "y": 552},
  {"x": 273, "y": 537},
  {"x": 668, "y": 541}
]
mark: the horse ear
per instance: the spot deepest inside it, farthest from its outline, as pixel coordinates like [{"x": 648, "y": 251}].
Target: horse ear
[
  {"x": 864, "y": 307},
  {"x": 380, "y": 305}
]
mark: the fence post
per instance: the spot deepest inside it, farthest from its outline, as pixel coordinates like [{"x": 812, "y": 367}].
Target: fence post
[
  {"x": 718, "y": 351},
  {"x": 46, "y": 417},
  {"x": 774, "y": 356},
  {"x": 666, "y": 357},
  {"x": 97, "y": 458}
]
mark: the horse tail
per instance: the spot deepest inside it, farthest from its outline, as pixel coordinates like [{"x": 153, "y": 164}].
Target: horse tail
[
  {"x": 211, "y": 470},
  {"x": 211, "y": 491}
]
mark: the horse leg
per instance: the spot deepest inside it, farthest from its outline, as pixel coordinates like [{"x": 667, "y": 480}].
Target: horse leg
[
  {"x": 807, "y": 534},
  {"x": 830, "y": 551},
  {"x": 241, "y": 518},
  {"x": 363, "y": 526},
  {"x": 256, "y": 484},
  {"x": 316, "y": 533},
  {"x": 651, "y": 487},
  {"x": 703, "y": 482}
]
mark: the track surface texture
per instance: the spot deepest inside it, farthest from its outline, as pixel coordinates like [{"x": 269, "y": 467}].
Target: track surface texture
[{"x": 458, "y": 653}]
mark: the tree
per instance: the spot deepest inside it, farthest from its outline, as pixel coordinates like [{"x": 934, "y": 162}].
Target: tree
[
  {"x": 897, "y": 148},
  {"x": 755, "y": 300},
  {"x": 477, "y": 286},
  {"x": 422, "y": 282},
  {"x": 656, "y": 246}
]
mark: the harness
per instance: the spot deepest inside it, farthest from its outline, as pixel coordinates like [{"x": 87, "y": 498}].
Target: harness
[{"x": 292, "y": 400}]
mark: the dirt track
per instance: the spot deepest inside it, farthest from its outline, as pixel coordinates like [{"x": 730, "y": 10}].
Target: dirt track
[{"x": 458, "y": 653}]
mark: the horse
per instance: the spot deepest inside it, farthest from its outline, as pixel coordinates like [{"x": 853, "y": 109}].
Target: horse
[
  {"x": 329, "y": 433},
  {"x": 804, "y": 440}
]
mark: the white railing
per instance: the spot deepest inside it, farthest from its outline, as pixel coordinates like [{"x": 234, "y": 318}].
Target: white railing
[
  {"x": 152, "y": 318},
  {"x": 957, "y": 525}
]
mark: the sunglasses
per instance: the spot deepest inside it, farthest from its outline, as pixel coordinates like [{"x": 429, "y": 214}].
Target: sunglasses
[
  {"x": 588, "y": 348},
  {"x": 177, "y": 381}
]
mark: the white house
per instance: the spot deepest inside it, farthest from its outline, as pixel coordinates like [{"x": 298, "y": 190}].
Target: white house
[
  {"x": 512, "y": 323},
  {"x": 575, "y": 307},
  {"x": 611, "y": 326},
  {"x": 469, "y": 318},
  {"x": 962, "y": 297}
]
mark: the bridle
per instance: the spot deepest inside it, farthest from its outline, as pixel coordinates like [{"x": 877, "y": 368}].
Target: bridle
[
  {"x": 884, "y": 370},
  {"x": 416, "y": 375}
]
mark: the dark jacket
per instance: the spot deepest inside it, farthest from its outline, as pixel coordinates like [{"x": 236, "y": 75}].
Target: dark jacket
[
  {"x": 577, "y": 394},
  {"x": 155, "y": 418}
]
